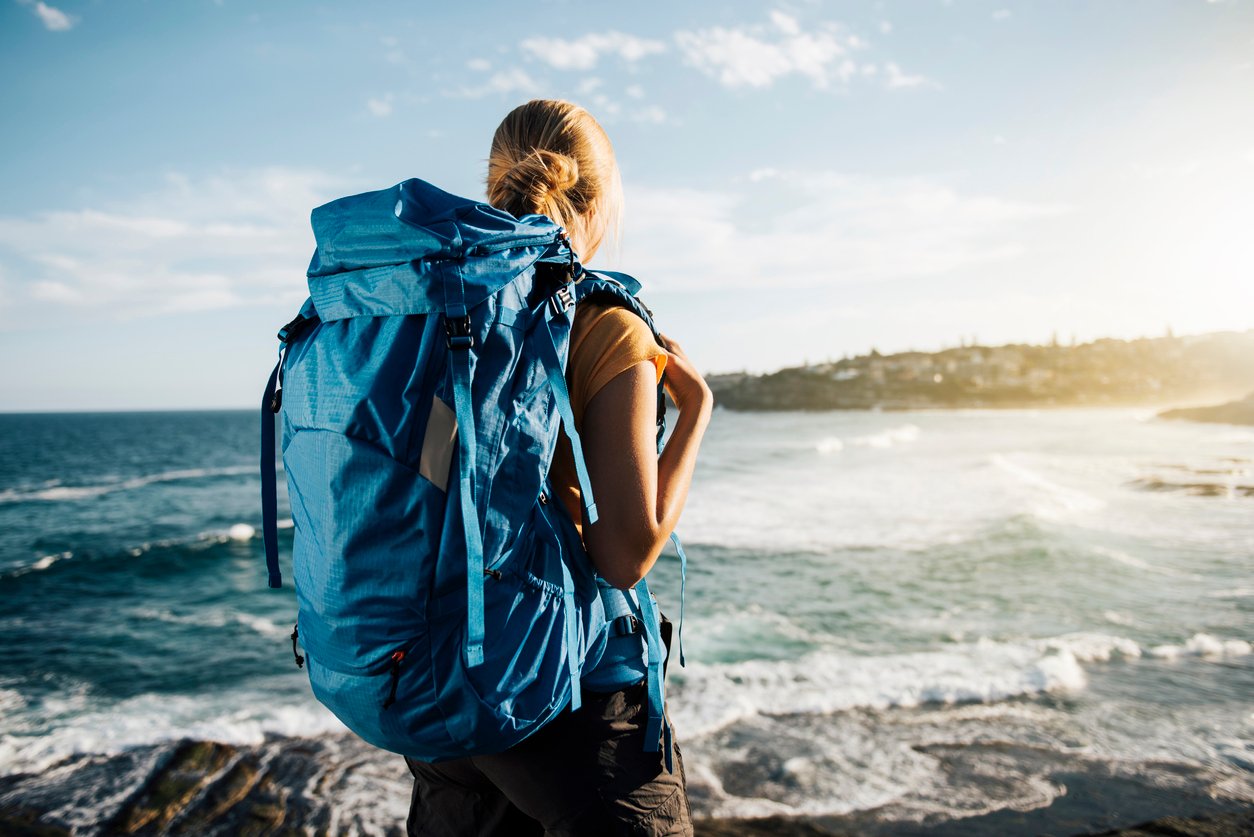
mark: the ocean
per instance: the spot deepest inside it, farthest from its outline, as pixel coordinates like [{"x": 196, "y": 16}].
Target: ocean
[{"x": 899, "y": 619}]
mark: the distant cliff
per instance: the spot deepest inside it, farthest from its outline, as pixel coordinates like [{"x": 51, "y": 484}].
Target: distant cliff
[{"x": 1107, "y": 372}]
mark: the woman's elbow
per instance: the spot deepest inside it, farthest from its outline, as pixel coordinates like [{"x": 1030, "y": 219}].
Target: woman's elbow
[
  {"x": 621, "y": 578},
  {"x": 623, "y": 564}
]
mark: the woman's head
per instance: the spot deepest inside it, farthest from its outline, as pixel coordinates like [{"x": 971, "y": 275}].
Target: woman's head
[{"x": 552, "y": 158}]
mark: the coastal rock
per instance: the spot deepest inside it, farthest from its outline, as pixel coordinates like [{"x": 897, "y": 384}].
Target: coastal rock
[
  {"x": 332, "y": 785},
  {"x": 1233, "y": 824},
  {"x": 340, "y": 785},
  {"x": 1233, "y": 412}
]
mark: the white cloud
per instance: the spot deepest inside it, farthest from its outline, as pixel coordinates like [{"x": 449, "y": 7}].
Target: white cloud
[
  {"x": 584, "y": 53},
  {"x": 785, "y": 23},
  {"x": 59, "y": 292},
  {"x": 757, "y": 55},
  {"x": 193, "y": 244},
  {"x": 53, "y": 19},
  {"x": 635, "y": 91},
  {"x": 840, "y": 228},
  {"x": 512, "y": 80},
  {"x": 588, "y": 85},
  {"x": 886, "y": 26},
  {"x": 652, "y": 115},
  {"x": 604, "y": 106},
  {"x": 380, "y": 106},
  {"x": 479, "y": 65},
  {"x": 1001, "y": 14},
  {"x": 899, "y": 80}
]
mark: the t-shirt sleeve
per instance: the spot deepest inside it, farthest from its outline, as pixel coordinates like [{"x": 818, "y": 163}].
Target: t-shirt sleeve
[{"x": 605, "y": 342}]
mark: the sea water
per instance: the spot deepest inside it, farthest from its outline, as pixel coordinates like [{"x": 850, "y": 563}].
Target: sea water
[{"x": 872, "y": 598}]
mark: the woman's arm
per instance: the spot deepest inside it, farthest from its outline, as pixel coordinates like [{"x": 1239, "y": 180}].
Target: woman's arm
[{"x": 639, "y": 494}]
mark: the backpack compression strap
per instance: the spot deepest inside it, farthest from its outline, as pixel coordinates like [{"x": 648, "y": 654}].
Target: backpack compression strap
[
  {"x": 657, "y": 727},
  {"x": 271, "y": 403},
  {"x": 460, "y": 340},
  {"x": 269, "y": 489},
  {"x": 557, "y": 381}
]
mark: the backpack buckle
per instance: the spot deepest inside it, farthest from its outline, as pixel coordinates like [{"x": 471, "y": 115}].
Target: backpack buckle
[
  {"x": 562, "y": 301},
  {"x": 625, "y": 626},
  {"x": 294, "y": 329},
  {"x": 458, "y": 333}
]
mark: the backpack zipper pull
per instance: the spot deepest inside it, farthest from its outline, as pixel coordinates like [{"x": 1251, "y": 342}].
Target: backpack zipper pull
[
  {"x": 397, "y": 657},
  {"x": 300, "y": 661}
]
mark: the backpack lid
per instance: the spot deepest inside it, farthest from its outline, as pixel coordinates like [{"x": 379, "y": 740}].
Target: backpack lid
[{"x": 387, "y": 253}]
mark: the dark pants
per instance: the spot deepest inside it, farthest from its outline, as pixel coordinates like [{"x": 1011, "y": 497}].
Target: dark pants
[{"x": 586, "y": 773}]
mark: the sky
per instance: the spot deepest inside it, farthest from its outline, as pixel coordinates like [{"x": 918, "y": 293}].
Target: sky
[{"x": 804, "y": 180}]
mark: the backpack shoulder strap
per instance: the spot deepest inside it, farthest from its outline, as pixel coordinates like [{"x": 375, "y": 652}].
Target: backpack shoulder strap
[{"x": 621, "y": 289}]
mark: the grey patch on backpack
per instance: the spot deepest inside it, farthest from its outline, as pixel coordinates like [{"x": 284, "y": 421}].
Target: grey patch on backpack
[{"x": 437, "y": 444}]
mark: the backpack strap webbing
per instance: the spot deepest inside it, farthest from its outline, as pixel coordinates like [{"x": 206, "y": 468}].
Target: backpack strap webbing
[
  {"x": 683, "y": 583},
  {"x": 657, "y": 727},
  {"x": 269, "y": 488},
  {"x": 271, "y": 403},
  {"x": 554, "y": 369},
  {"x": 460, "y": 338}
]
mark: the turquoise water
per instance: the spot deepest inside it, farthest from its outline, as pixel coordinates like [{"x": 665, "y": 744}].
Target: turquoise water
[{"x": 864, "y": 588}]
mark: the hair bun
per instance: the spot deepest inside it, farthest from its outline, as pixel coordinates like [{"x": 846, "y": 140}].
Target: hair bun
[{"x": 541, "y": 173}]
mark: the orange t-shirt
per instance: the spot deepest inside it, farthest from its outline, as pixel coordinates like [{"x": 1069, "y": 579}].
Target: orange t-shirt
[{"x": 605, "y": 341}]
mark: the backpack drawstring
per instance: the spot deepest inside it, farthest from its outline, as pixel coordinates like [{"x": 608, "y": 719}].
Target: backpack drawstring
[
  {"x": 300, "y": 661},
  {"x": 397, "y": 657}
]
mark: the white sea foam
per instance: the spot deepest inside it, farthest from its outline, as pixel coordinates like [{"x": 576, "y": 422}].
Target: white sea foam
[
  {"x": 260, "y": 624},
  {"x": 150, "y": 719},
  {"x": 904, "y": 434},
  {"x": 713, "y": 696},
  {"x": 1234, "y": 593},
  {"x": 59, "y": 493},
  {"x": 11, "y": 701},
  {"x": 829, "y": 445},
  {"x": 1124, "y": 558},
  {"x": 1049, "y": 500},
  {"x": 241, "y": 532},
  {"x": 1093, "y": 647},
  {"x": 214, "y": 619},
  {"x": 41, "y": 564},
  {"x": 1204, "y": 645}
]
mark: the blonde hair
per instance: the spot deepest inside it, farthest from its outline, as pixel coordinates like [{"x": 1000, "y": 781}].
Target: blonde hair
[{"x": 551, "y": 157}]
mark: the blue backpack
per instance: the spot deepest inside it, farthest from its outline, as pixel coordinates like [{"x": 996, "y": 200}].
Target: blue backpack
[{"x": 446, "y": 605}]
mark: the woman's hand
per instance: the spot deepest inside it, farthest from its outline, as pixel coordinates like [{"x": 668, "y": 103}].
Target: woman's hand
[{"x": 683, "y": 382}]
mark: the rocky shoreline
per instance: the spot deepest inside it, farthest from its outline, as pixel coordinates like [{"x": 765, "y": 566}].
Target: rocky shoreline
[
  {"x": 337, "y": 784},
  {"x": 1233, "y": 412}
]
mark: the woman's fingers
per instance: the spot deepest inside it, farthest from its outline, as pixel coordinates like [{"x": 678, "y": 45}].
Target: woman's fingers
[{"x": 672, "y": 346}]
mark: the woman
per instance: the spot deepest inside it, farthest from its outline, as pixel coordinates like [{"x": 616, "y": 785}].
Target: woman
[{"x": 588, "y": 772}]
